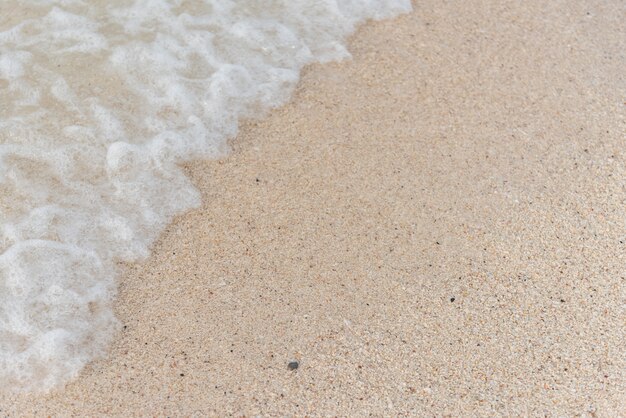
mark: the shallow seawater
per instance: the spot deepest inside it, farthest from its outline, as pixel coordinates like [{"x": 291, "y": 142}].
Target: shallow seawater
[{"x": 99, "y": 103}]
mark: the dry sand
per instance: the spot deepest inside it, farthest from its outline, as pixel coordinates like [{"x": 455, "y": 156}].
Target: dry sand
[{"x": 437, "y": 227}]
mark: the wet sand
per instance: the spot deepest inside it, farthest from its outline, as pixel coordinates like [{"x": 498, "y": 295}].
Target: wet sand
[{"x": 434, "y": 228}]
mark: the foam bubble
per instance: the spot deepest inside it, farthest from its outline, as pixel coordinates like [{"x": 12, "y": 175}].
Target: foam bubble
[{"x": 99, "y": 102}]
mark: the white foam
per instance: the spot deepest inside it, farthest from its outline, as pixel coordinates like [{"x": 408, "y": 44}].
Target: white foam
[{"x": 99, "y": 102}]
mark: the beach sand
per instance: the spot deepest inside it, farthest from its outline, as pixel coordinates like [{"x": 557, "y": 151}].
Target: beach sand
[{"x": 436, "y": 227}]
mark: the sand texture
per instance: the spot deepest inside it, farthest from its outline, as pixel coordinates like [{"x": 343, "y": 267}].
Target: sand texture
[{"x": 435, "y": 228}]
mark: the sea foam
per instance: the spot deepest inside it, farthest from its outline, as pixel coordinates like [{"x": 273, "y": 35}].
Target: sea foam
[{"x": 99, "y": 103}]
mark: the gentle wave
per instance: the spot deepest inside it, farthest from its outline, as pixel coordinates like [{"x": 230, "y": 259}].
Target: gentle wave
[{"x": 99, "y": 102}]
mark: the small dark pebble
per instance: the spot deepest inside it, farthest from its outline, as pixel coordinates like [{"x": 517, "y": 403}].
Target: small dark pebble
[
  {"x": 293, "y": 365},
  {"x": 182, "y": 374},
  {"x": 452, "y": 299}
]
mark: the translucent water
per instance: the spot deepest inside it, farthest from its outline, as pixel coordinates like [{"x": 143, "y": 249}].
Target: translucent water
[{"x": 99, "y": 102}]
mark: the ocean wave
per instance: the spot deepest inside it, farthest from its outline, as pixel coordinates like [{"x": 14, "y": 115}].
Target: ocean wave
[{"x": 99, "y": 103}]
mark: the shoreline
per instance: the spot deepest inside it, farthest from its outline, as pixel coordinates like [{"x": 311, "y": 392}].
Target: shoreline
[{"x": 430, "y": 228}]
